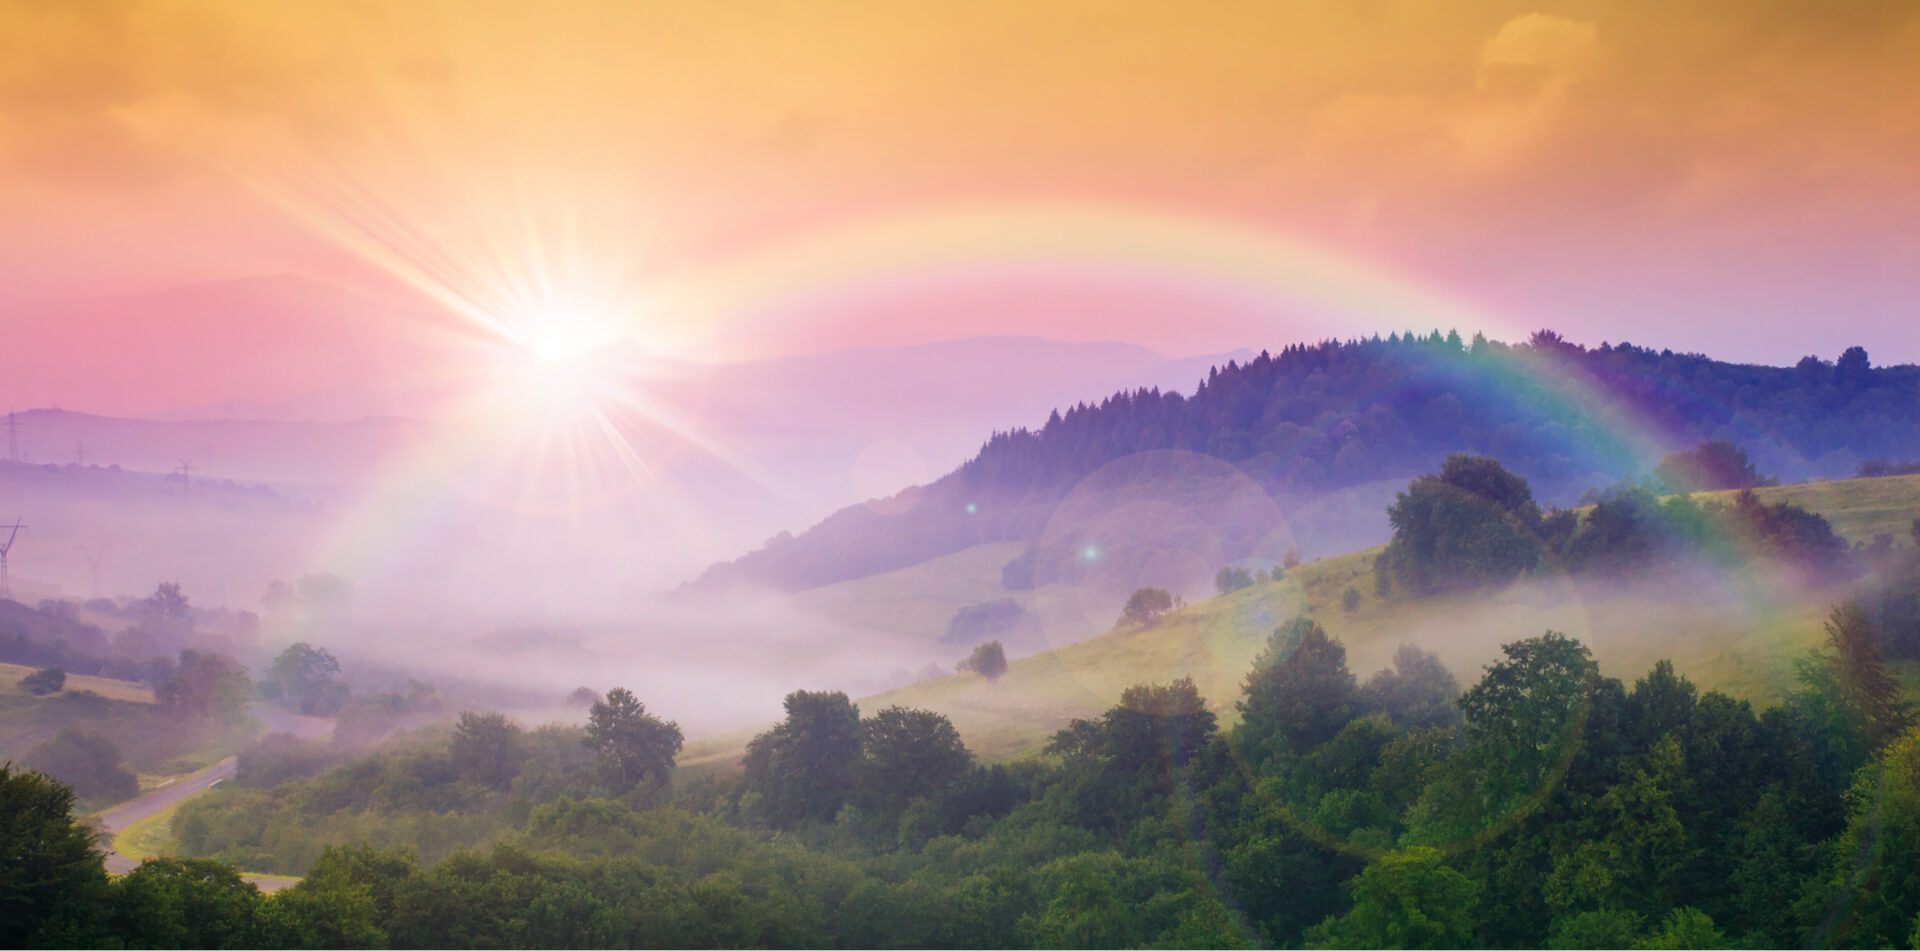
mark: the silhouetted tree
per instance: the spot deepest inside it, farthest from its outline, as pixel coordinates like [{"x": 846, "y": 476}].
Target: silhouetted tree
[
  {"x": 1715, "y": 464},
  {"x": 44, "y": 681},
  {"x": 1230, "y": 579},
  {"x": 1146, "y": 605},
  {"x": 989, "y": 660}
]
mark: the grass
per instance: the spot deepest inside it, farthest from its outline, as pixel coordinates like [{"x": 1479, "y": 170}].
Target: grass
[
  {"x": 150, "y": 741},
  {"x": 1858, "y": 508},
  {"x": 123, "y": 690},
  {"x": 1735, "y": 634},
  {"x": 151, "y": 837}
]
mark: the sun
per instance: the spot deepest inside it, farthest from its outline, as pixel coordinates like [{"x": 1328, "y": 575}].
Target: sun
[{"x": 561, "y": 368}]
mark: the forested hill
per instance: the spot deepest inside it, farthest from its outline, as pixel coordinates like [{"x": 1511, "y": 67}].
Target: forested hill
[{"x": 1317, "y": 418}]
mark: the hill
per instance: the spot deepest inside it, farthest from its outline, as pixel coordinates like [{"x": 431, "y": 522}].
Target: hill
[
  {"x": 1731, "y": 633},
  {"x": 1320, "y": 420}
]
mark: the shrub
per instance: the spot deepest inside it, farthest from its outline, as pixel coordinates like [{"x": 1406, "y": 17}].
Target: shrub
[{"x": 44, "y": 681}]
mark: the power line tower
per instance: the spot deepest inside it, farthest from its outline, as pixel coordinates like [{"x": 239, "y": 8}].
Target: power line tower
[
  {"x": 94, "y": 554},
  {"x": 13, "y": 435},
  {"x": 186, "y": 475},
  {"x": 13, "y": 532}
]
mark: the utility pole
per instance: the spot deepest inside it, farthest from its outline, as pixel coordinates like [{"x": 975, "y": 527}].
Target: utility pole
[
  {"x": 94, "y": 553},
  {"x": 13, "y": 435},
  {"x": 13, "y": 532}
]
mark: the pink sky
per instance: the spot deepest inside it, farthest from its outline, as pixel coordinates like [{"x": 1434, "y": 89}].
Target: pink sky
[{"x": 1718, "y": 178}]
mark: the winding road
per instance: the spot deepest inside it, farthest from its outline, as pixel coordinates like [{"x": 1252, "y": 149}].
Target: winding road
[{"x": 115, "y": 820}]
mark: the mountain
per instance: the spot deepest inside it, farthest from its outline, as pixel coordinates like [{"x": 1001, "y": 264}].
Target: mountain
[
  {"x": 273, "y": 346},
  {"x": 1327, "y": 432}
]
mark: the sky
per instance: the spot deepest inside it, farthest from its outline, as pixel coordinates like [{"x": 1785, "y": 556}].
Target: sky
[{"x": 739, "y": 180}]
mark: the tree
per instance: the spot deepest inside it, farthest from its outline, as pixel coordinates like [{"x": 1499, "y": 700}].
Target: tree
[
  {"x": 52, "y": 882},
  {"x": 1145, "y": 606},
  {"x": 189, "y": 903},
  {"x": 206, "y": 685},
  {"x": 486, "y": 748},
  {"x": 1407, "y": 899},
  {"x": 44, "y": 681},
  {"x": 583, "y": 697},
  {"x": 1417, "y": 692},
  {"x": 86, "y": 761},
  {"x": 1715, "y": 464},
  {"x": 1154, "y": 725},
  {"x": 633, "y": 745},
  {"x": 1474, "y": 524},
  {"x": 1686, "y": 928},
  {"x": 1523, "y": 726},
  {"x": 909, "y": 754},
  {"x": 1872, "y": 884},
  {"x": 1350, "y": 600},
  {"x": 1298, "y": 695},
  {"x": 305, "y": 679},
  {"x": 166, "y": 618},
  {"x": 1848, "y": 685},
  {"x": 989, "y": 660},
  {"x": 1230, "y": 579},
  {"x": 803, "y": 769},
  {"x": 1290, "y": 561}
]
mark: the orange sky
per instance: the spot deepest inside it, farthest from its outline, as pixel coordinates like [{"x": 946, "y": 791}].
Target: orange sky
[{"x": 1666, "y": 173}]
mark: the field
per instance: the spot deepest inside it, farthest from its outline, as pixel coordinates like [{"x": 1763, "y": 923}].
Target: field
[
  {"x": 1858, "y": 508},
  {"x": 1737, "y": 634},
  {"x": 123, "y": 690},
  {"x": 152, "y": 744}
]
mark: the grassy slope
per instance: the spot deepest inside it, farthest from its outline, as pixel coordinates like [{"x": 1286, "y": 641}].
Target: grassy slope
[
  {"x": 919, "y": 600},
  {"x": 153, "y": 745},
  {"x": 1734, "y": 635},
  {"x": 1858, "y": 508},
  {"x": 127, "y": 690}
]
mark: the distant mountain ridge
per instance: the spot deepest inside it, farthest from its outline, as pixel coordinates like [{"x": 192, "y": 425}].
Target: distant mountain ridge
[{"x": 1318, "y": 420}]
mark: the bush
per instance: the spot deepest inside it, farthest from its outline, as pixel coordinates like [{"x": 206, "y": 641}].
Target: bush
[
  {"x": 44, "y": 681},
  {"x": 1229, "y": 580},
  {"x": 989, "y": 660},
  {"x": 88, "y": 762},
  {"x": 1146, "y": 606}
]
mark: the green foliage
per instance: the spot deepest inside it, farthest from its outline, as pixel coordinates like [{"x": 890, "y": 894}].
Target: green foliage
[
  {"x": 1523, "y": 726},
  {"x": 1872, "y": 882},
  {"x": 1298, "y": 695},
  {"x": 1417, "y": 692},
  {"x": 486, "y": 748},
  {"x": 86, "y": 761},
  {"x": 1686, "y": 928},
  {"x": 1472, "y": 525},
  {"x": 305, "y": 679},
  {"x": 803, "y": 769},
  {"x": 989, "y": 660},
  {"x": 51, "y": 880},
  {"x": 908, "y": 755},
  {"x": 1407, "y": 899},
  {"x": 634, "y": 746},
  {"x": 207, "y": 686},
  {"x": 44, "y": 681}
]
